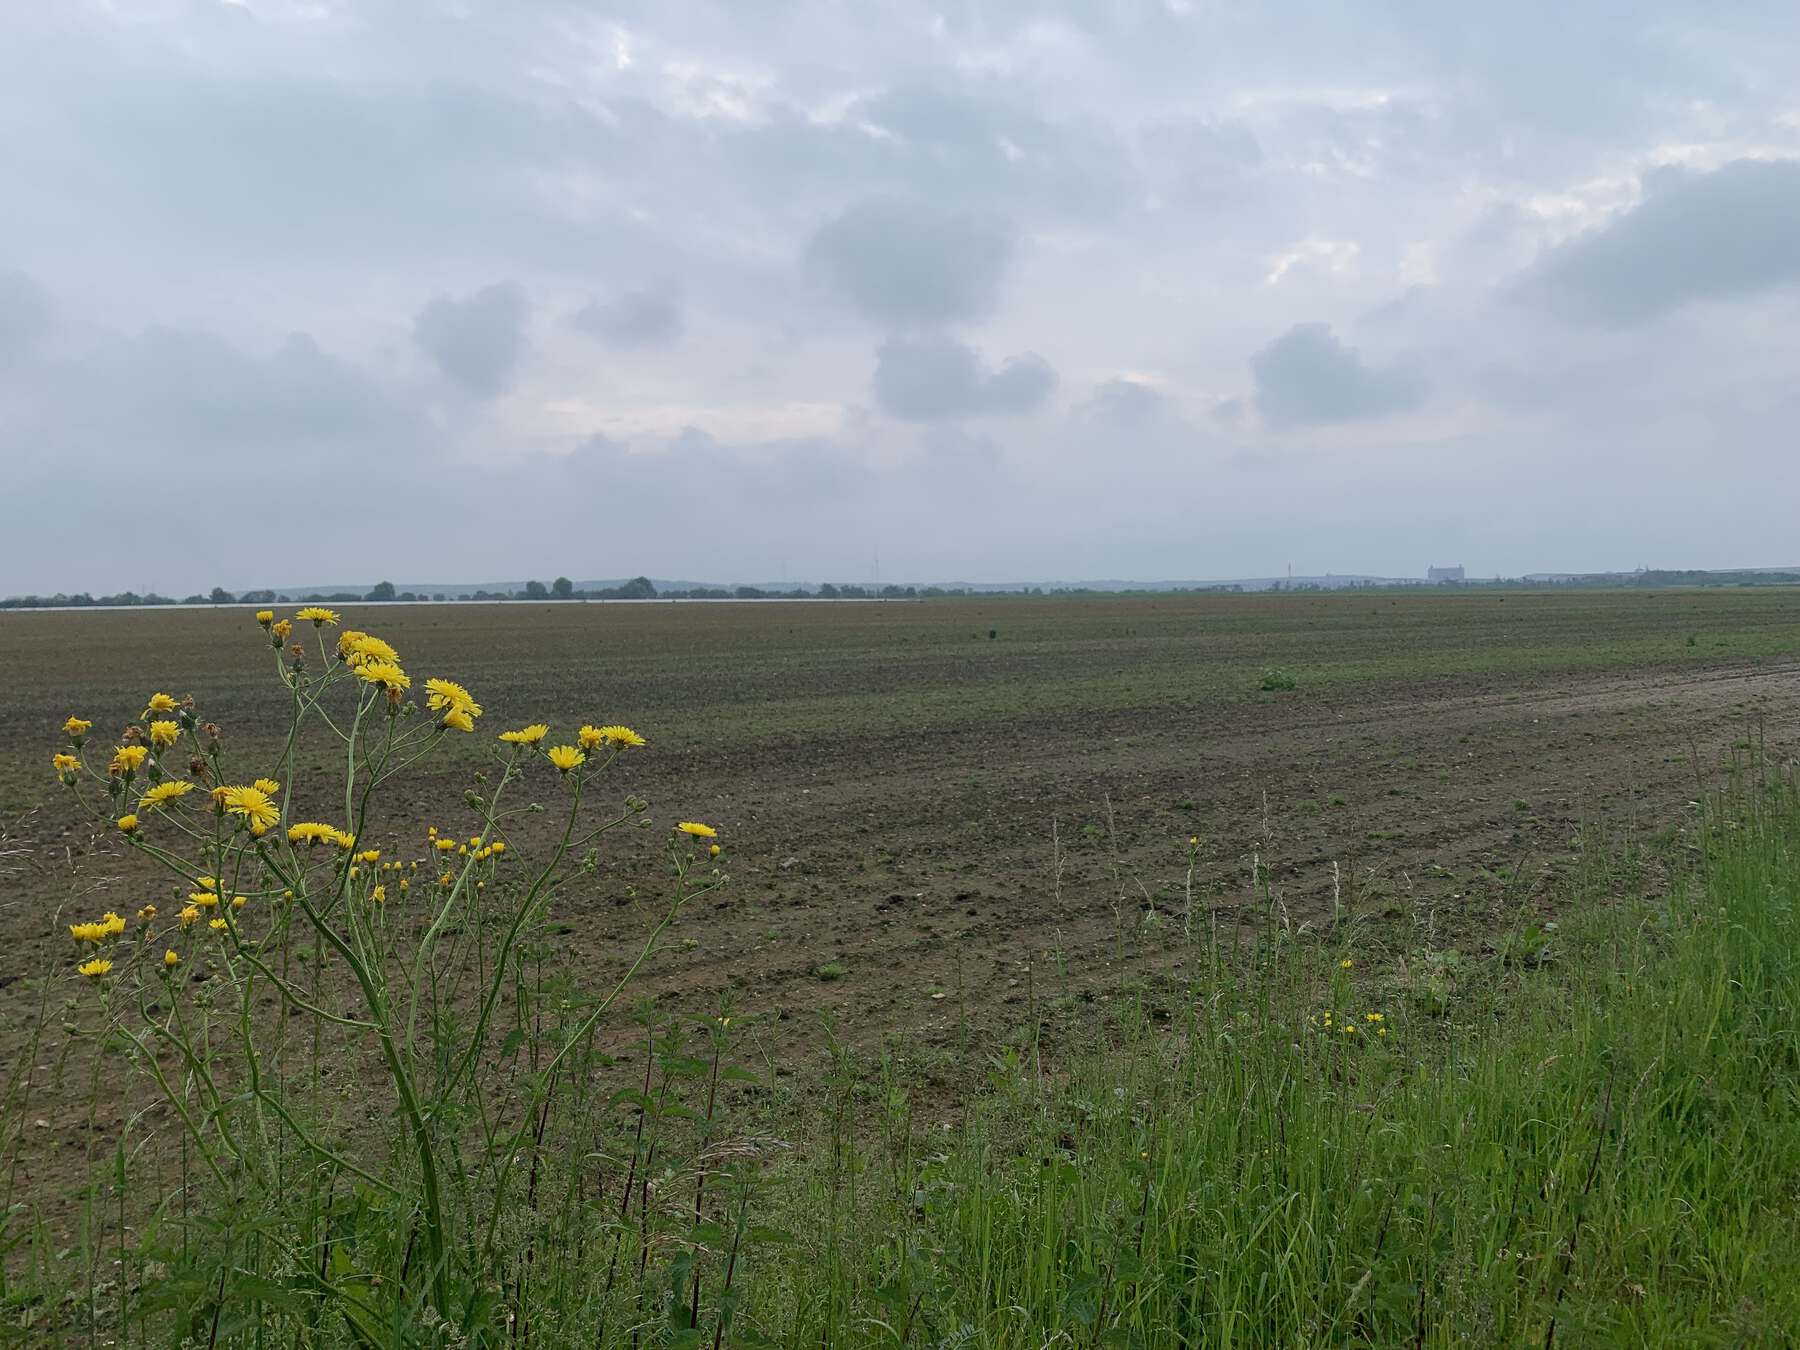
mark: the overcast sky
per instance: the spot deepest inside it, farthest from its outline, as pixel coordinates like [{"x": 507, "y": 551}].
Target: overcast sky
[{"x": 326, "y": 291}]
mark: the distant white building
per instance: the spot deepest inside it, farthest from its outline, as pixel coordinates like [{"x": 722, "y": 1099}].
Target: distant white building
[{"x": 1444, "y": 573}]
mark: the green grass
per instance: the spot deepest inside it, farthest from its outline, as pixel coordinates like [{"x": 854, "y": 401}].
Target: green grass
[{"x": 1600, "y": 1142}]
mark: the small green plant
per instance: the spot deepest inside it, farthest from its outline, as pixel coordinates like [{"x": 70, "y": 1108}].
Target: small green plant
[
  {"x": 1275, "y": 680},
  {"x": 831, "y": 971}
]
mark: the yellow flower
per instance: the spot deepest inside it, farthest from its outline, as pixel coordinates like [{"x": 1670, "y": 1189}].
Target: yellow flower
[
  {"x": 219, "y": 794},
  {"x": 359, "y": 649},
  {"x": 448, "y": 694},
  {"x": 164, "y": 734},
  {"x": 77, "y": 727},
  {"x": 204, "y": 899},
  {"x": 65, "y": 763},
  {"x": 459, "y": 719},
  {"x": 267, "y": 785},
  {"x": 619, "y": 738},
  {"x": 318, "y": 615},
  {"x": 239, "y": 901},
  {"x": 444, "y": 845},
  {"x": 698, "y": 830},
  {"x": 188, "y": 915},
  {"x": 128, "y": 824},
  {"x": 530, "y": 735},
  {"x": 96, "y": 968},
  {"x": 474, "y": 841},
  {"x": 713, "y": 851},
  {"x": 265, "y": 617},
  {"x": 498, "y": 846},
  {"x": 164, "y": 793},
  {"x": 218, "y": 925},
  {"x": 1373, "y": 1017},
  {"x": 88, "y": 932},
  {"x": 112, "y": 923},
  {"x": 446, "y": 879},
  {"x": 128, "y": 758},
  {"x": 386, "y": 674},
  {"x": 208, "y": 883},
  {"x": 378, "y": 894},
  {"x": 312, "y": 832},
  {"x": 171, "y": 959},
  {"x": 253, "y": 804},
  {"x": 343, "y": 839},
  {"x": 159, "y": 703},
  {"x": 565, "y": 757},
  {"x": 281, "y": 630},
  {"x": 368, "y": 855},
  {"x": 1345, "y": 964},
  {"x": 147, "y": 913}
]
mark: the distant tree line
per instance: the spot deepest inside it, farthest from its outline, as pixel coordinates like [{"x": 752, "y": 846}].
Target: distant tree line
[
  {"x": 638, "y": 588},
  {"x": 642, "y": 588}
]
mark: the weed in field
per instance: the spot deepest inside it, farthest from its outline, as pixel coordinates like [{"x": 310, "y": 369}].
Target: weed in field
[{"x": 433, "y": 972}]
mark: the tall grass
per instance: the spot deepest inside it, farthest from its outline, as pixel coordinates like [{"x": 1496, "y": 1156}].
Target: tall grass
[
  {"x": 1598, "y": 1144},
  {"x": 1592, "y": 1135}
]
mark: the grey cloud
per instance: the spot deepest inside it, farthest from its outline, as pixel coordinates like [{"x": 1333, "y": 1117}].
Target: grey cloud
[
  {"x": 24, "y": 315},
  {"x": 1307, "y": 376},
  {"x": 904, "y": 263},
  {"x": 1125, "y": 419},
  {"x": 1126, "y": 405},
  {"x": 931, "y": 378},
  {"x": 1694, "y": 236},
  {"x": 649, "y": 317},
  {"x": 476, "y": 341}
]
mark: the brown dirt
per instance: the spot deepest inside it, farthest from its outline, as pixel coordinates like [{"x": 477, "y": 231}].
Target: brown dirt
[{"x": 1011, "y": 827}]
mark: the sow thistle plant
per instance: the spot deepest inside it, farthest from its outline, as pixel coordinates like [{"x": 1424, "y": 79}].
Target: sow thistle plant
[{"x": 301, "y": 962}]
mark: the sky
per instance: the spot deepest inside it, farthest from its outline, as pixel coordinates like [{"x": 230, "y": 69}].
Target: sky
[{"x": 326, "y": 291}]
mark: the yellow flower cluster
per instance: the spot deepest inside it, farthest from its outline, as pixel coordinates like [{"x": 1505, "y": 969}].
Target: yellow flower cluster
[
  {"x": 108, "y": 925},
  {"x": 357, "y": 648},
  {"x": 313, "y": 832},
  {"x": 614, "y": 737},
  {"x": 128, "y": 759},
  {"x": 254, "y": 806},
  {"x": 531, "y": 735},
  {"x": 164, "y": 793},
  {"x": 1349, "y": 1026},
  {"x": 386, "y": 674},
  {"x": 457, "y": 704}
]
